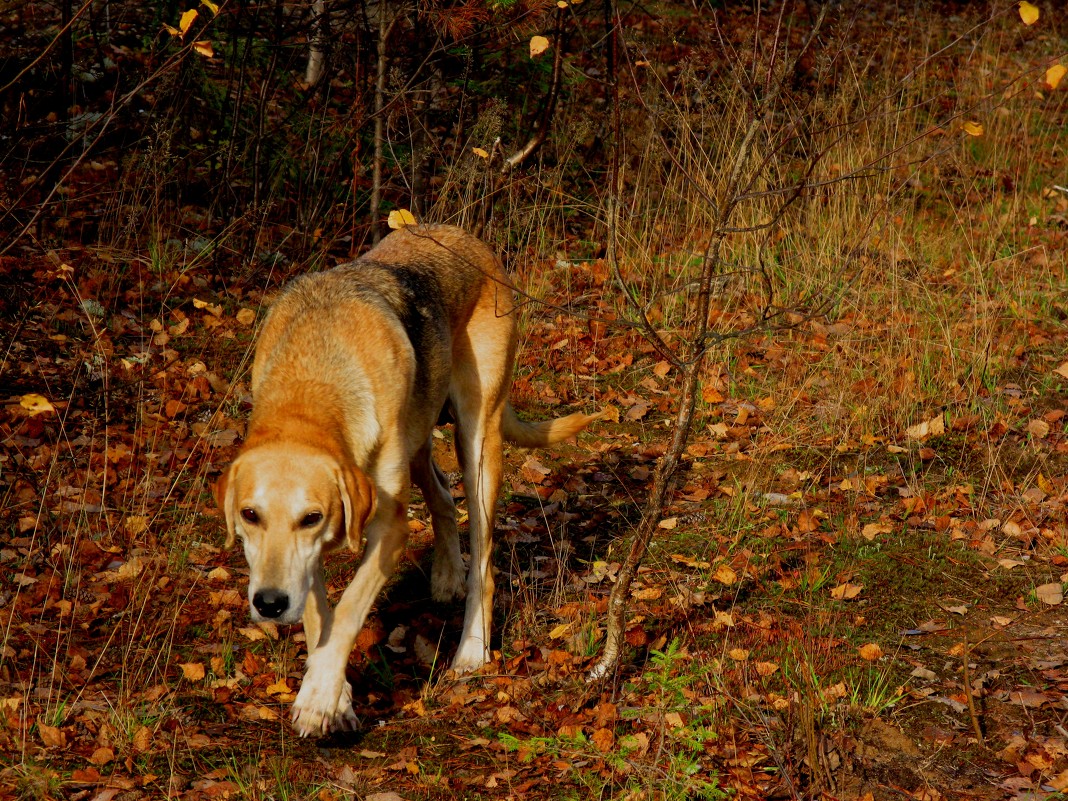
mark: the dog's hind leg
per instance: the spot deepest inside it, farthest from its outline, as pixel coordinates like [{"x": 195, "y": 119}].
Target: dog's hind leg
[
  {"x": 481, "y": 375},
  {"x": 447, "y": 574},
  {"x": 481, "y": 441}
]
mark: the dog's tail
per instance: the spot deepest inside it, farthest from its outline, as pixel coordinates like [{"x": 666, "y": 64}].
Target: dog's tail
[{"x": 545, "y": 432}]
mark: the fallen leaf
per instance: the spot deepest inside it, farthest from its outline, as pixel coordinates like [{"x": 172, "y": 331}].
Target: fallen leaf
[
  {"x": 689, "y": 561},
  {"x": 36, "y": 404},
  {"x": 1031, "y": 699},
  {"x": 972, "y": 128},
  {"x": 846, "y": 592},
  {"x": 1028, "y": 13},
  {"x": 1062, "y": 370},
  {"x": 765, "y": 668},
  {"x": 52, "y": 736},
  {"x": 246, "y": 317},
  {"x": 561, "y": 631},
  {"x": 193, "y": 671},
  {"x": 668, "y": 523},
  {"x": 1037, "y": 428},
  {"x": 725, "y": 574},
  {"x": 870, "y": 652},
  {"x": 1009, "y": 564},
  {"x": 482, "y": 154},
  {"x": 873, "y": 530},
  {"x": 934, "y": 427},
  {"x": 102, "y": 756},
  {"x": 738, "y": 654},
  {"x": 1051, "y": 594},
  {"x": 603, "y": 740}
]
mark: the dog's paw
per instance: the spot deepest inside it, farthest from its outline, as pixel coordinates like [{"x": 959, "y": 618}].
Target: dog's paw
[
  {"x": 323, "y": 707},
  {"x": 448, "y": 582},
  {"x": 470, "y": 657}
]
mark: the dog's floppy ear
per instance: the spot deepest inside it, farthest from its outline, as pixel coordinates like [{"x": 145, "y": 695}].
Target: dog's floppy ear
[
  {"x": 360, "y": 499},
  {"x": 224, "y": 497}
]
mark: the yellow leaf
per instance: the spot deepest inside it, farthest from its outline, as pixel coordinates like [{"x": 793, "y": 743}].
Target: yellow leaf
[
  {"x": 212, "y": 7},
  {"x": 1061, "y": 371},
  {"x": 668, "y": 523},
  {"x": 1054, "y": 75},
  {"x": 204, "y": 48},
  {"x": 561, "y": 630},
  {"x": 738, "y": 654},
  {"x": 482, "y": 154},
  {"x": 1028, "y": 13},
  {"x": 400, "y": 218},
  {"x": 561, "y": 4},
  {"x": 36, "y": 404},
  {"x": 538, "y": 45},
  {"x": 187, "y": 20},
  {"x": 246, "y": 317},
  {"x": 972, "y": 128},
  {"x": 171, "y": 30}
]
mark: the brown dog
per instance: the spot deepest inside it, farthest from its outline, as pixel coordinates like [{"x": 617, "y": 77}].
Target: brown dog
[{"x": 353, "y": 369}]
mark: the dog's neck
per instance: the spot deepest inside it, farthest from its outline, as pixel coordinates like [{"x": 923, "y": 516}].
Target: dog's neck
[{"x": 287, "y": 420}]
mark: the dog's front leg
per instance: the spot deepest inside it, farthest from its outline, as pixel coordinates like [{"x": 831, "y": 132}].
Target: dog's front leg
[
  {"x": 317, "y": 614},
  {"x": 325, "y": 698}
]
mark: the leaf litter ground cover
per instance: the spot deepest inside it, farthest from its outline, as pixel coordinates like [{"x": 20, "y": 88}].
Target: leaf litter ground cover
[{"x": 856, "y": 591}]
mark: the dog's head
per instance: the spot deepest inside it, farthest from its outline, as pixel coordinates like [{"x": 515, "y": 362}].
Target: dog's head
[{"x": 290, "y": 503}]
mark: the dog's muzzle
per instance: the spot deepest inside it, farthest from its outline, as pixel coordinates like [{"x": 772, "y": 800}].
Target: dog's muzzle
[{"x": 271, "y": 604}]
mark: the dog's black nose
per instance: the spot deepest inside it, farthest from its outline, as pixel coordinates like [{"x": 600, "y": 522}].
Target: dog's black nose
[{"x": 271, "y": 603}]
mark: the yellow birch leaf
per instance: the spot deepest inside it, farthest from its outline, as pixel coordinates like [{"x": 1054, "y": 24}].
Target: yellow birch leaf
[
  {"x": 187, "y": 20},
  {"x": 36, "y": 404},
  {"x": 560, "y": 631},
  {"x": 538, "y": 45},
  {"x": 171, "y": 30},
  {"x": 972, "y": 128},
  {"x": 246, "y": 317},
  {"x": 212, "y": 7},
  {"x": 482, "y": 154},
  {"x": 1028, "y": 13},
  {"x": 204, "y": 48},
  {"x": 400, "y": 218},
  {"x": 1054, "y": 75}
]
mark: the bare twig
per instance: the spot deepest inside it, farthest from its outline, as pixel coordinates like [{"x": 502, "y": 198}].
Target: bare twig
[{"x": 697, "y": 351}]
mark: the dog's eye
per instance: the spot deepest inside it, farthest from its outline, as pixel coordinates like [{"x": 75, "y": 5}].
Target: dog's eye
[
  {"x": 250, "y": 516},
  {"x": 311, "y": 519}
]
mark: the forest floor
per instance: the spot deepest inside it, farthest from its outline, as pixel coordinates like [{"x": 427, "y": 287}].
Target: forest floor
[{"x": 856, "y": 591}]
